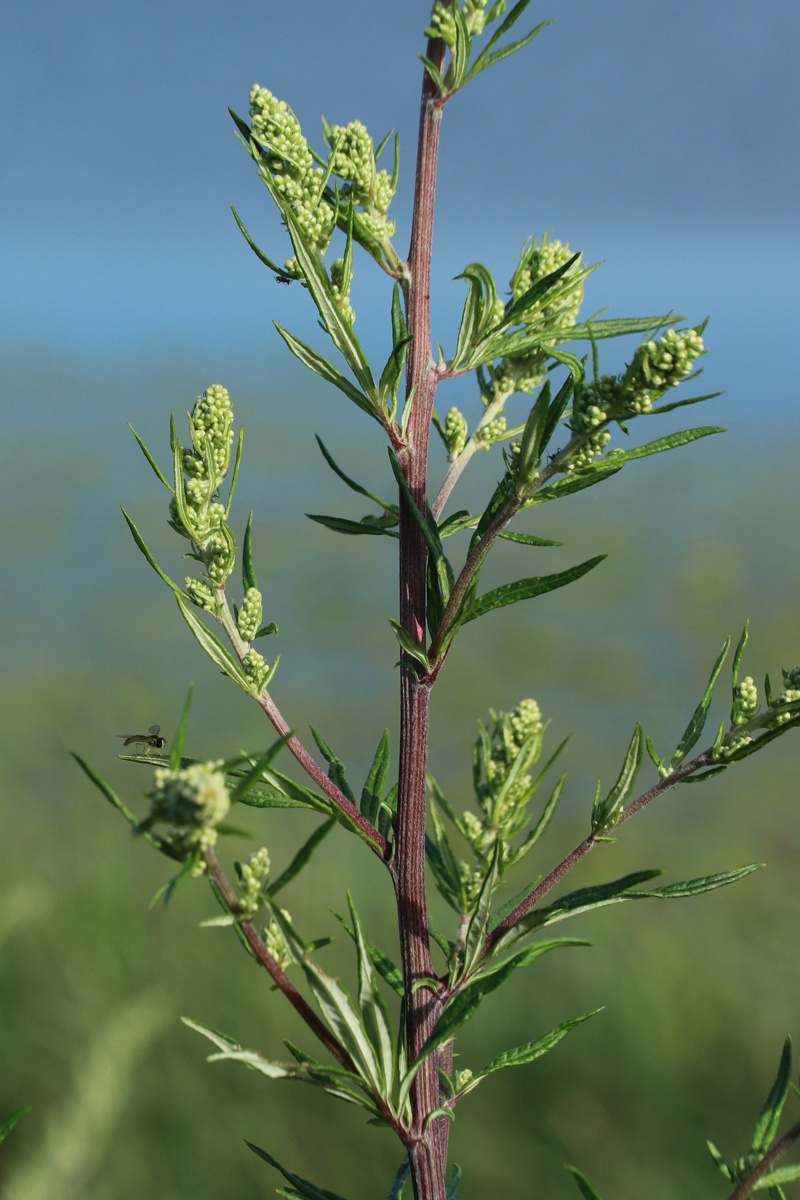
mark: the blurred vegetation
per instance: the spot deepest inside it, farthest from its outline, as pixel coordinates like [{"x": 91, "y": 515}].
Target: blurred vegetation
[{"x": 699, "y": 994}]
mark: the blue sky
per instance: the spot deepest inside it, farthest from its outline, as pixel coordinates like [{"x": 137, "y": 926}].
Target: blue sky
[{"x": 662, "y": 140}]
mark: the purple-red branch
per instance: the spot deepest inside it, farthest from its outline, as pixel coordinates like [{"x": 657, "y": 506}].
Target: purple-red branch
[{"x": 381, "y": 846}]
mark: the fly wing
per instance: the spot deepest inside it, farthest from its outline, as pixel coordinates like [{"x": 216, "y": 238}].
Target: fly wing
[{"x": 155, "y": 730}]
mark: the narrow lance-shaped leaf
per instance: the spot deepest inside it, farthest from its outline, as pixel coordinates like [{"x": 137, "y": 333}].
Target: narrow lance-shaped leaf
[
  {"x": 697, "y": 723},
  {"x": 479, "y": 919},
  {"x": 302, "y": 857},
  {"x": 320, "y": 366},
  {"x": 214, "y": 648},
  {"x": 372, "y": 791},
  {"x": 430, "y": 532},
  {"x": 142, "y": 544},
  {"x": 373, "y": 1007},
  {"x": 487, "y": 57},
  {"x": 151, "y": 460},
  {"x": 307, "y": 1190},
  {"x": 769, "y": 1118},
  {"x": 670, "y": 442},
  {"x": 8, "y": 1125},
  {"x": 530, "y": 1051},
  {"x": 584, "y": 1187},
  {"x": 248, "y": 568},
  {"x": 351, "y": 483},
  {"x": 606, "y": 812},
  {"x": 338, "y": 1010},
  {"x": 407, "y": 643},
  {"x": 180, "y": 733},
  {"x": 525, "y": 589}
]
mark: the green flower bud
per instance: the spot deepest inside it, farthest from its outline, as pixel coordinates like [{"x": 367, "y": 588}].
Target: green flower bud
[
  {"x": 745, "y": 702},
  {"x": 276, "y": 944},
  {"x": 253, "y": 876},
  {"x": 193, "y": 801},
  {"x": 354, "y": 158},
  {"x": 492, "y": 431},
  {"x": 249, "y": 619},
  {"x": 789, "y": 693},
  {"x": 256, "y": 669},
  {"x": 560, "y": 305},
  {"x": 341, "y": 289},
  {"x": 443, "y": 24},
  {"x": 211, "y": 427},
  {"x": 201, "y": 594},
  {"x": 275, "y": 127},
  {"x": 455, "y": 432},
  {"x": 663, "y": 364},
  {"x": 219, "y": 555}
]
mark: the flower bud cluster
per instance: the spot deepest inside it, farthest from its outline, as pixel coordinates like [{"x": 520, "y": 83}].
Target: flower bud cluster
[
  {"x": 353, "y": 160},
  {"x": 493, "y": 431},
  {"x": 745, "y": 701},
  {"x": 789, "y": 693},
  {"x": 192, "y": 801},
  {"x": 443, "y": 24},
  {"x": 195, "y": 510},
  {"x": 276, "y": 943},
  {"x": 660, "y": 365},
  {"x": 591, "y": 410},
  {"x": 249, "y": 617},
  {"x": 455, "y": 432},
  {"x": 341, "y": 289},
  {"x": 502, "y": 760},
  {"x": 253, "y": 876},
  {"x": 257, "y": 670},
  {"x": 561, "y": 305},
  {"x": 291, "y": 164},
  {"x": 473, "y": 10}
]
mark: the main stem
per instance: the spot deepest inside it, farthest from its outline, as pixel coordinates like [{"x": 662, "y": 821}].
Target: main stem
[{"x": 426, "y": 1146}]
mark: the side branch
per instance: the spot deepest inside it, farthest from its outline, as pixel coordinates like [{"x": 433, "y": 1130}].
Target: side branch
[
  {"x": 279, "y": 977},
  {"x": 382, "y": 847},
  {"x": 750, "y": 1183},
  {"x": 575, "y": 856}
]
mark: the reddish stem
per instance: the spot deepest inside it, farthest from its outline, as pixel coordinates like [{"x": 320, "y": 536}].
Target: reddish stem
[{"x": 422, "y": 1007}]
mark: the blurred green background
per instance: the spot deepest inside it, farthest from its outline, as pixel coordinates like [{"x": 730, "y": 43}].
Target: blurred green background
[{"x": 127, "y": 291}]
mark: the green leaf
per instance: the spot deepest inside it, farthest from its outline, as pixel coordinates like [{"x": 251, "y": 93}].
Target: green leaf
[
  {"x": 302, "y": 856},
  {"x": 539, "y": 829},
  {"x": 584, "y": 1187},
  {"x": 396, "y": 1190},
  {"x": 556, "y": 411},
  {"x": 237, "y": 462},
  {"x": 479, "y": 918},
  {"x": 320, "y": 366},
  {"x": 8, "y": 1125},
  {"x": 114, "y": 800},
  {"x": 451, "y": 1191},
  {"x": 779, "y": 1175},
  {"x": 343, "y": 525},
  {"x": 248, "y": 568},
  {"x": 430, "y": 532},
  {"x": 373, "y": 1008},
  {"x": 140, "y": 542},
  {"x": 525, "y": 589},
  {"x": 336, "y": 768},
  {"x": 486, "y": 59},
  {"x": 694, "y": 887},
  {"x": 769, "y": 1118},
  {"x": 351, "y": 483},
  {"x": 381, "y": 962},
  {"x": 150, "y": 459},
  {"x": 527, "y": 539},
  {"x": 273, "y": 266},
  {"x": 670, "y": 442},
  {"x": 580, "y": 901},
  {"x": 338, "y": 1010},
  {"x": 697, "y": 723},
  {"x": 605, "y": 814},
  {"x": 408, "y": 644},
  {"x": 339, "y": 329},
  {"x": 596, "y": 330},
  {"x": 576, "y": 482},
  {"x": 372, "y": 791},
  {"x": 180, "y": 732},
  {"x": 530, "y": 1051},
  {"x": 445, "y": 865},
  {"x": 214, "y": 648},
  {"x": 478, "y": 308},
  {"x": 309, "y": 1191},
  {"x": 392, "y": 373},
  {"x": 531, "y": 442}
]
